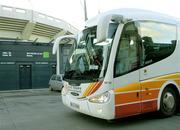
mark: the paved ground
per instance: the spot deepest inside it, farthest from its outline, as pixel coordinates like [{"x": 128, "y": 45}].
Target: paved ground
[{"x": 43, "y": 110}]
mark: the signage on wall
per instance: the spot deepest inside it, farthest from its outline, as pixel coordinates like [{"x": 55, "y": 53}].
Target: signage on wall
[
  {"x": 41, "y": 63},
  {"x": 6, "y": 54},
  {"x": 7, "y": 63},
  {"x": 36, "y": 54},
  {"x": 45, "y": 54},
  {"x": 32, "y": 54},
  {"x": 24, "y": 54}
]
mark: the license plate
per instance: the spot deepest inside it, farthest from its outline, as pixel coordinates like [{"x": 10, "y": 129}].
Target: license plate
[{"x": 74, "y": 105}]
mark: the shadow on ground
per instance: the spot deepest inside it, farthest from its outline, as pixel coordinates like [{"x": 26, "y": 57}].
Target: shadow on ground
[{"x": 144, "y": 121}]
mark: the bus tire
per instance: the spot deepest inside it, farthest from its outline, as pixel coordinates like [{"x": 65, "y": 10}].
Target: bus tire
[{"x": 168, "y": 102}]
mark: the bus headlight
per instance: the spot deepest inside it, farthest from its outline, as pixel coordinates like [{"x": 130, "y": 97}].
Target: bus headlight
[{"x": 102, "y": 98}]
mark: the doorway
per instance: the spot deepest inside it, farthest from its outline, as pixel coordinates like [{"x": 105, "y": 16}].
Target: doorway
[{"x": 25, "y": 80}]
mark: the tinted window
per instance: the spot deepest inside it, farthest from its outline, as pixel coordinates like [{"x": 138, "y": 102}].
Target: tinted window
[
  {"x": 143, "y": 43},
  {"x": 158, "y": 41},
  {"x": 127, "y": 57}
]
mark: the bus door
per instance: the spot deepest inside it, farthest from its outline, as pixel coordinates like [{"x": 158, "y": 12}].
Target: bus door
[{"x": 126, "y": 73}]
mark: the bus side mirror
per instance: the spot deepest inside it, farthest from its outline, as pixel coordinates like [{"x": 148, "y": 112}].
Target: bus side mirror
[
  {"x": 103, "y": 25},
  {"x": 60, "y": 39}
]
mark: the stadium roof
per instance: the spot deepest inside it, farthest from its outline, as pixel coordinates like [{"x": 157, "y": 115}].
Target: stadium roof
[{"x": 29, "y": 25}]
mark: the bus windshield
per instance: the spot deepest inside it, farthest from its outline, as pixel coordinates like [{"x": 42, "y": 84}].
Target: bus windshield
[{"x": 88, "y": 59}]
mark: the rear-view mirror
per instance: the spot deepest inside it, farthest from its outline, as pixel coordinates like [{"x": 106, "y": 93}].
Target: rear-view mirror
[{"x": 103, "y": 25}]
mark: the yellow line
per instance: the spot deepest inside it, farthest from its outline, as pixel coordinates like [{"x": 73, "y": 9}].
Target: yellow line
[{"x": 88, "y": 89}]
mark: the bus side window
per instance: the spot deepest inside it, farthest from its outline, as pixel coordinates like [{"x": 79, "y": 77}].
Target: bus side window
[
  {"x": 127, "y": 57},
  {"x": 148, "y": 49},
  {"x": 158, "y": 40}
]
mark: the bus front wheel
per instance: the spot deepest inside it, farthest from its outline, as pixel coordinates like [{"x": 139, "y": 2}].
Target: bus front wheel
[{"x": 168, "y": 103}]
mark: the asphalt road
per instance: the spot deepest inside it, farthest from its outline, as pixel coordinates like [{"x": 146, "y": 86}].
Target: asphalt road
[{"x": 43, "y": 110}]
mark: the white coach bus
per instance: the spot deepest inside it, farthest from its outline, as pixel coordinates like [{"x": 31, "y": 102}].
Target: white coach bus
[{"x": 125, "y": 62}]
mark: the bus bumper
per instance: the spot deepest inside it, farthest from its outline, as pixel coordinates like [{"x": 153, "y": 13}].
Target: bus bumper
[{"x": 99, "y": 110}]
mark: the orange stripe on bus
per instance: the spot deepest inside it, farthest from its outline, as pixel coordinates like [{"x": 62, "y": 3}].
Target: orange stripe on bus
[
  {"x": 126, "y": 98},
  {"x": 129, "y": 87},
  {"x": 149, "y": 106},
  {"x": 92, "y": 88},
  {"x": 170, "y": 76},
  {"x": 88, "y": 89},
  {"x": 127, "y": 110},
  {"x": 129, "y": 103},
  {"x": 150, "y": 94},
  {"x": 96, "y": 87},
  {"x": 165, "y": 77},
  {"x": 134, "y": 109},
  {"x": 133, "y": 97},
  {"x": 152, "y": 84},
  {"x": 178, "y": 82}
]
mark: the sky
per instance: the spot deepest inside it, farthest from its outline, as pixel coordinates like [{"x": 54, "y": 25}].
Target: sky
[{"x": 72, "y": 10}]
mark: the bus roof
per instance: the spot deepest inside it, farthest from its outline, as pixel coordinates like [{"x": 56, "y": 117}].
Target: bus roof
[{"x": 136, "y": 14}]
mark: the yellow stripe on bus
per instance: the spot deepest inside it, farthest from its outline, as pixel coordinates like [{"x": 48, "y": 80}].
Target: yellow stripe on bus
[
  {"x": 89, "y": 88},
  {"x": 129, "y": 87}
]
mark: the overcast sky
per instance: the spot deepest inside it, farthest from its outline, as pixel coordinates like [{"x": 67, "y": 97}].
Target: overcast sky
[{"x": 72, "y": 10}]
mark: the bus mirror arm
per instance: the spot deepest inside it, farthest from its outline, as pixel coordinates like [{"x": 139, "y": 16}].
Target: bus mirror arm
[
  {"x": 103, "y": 25},
  {"x": 58, "y": 41}
]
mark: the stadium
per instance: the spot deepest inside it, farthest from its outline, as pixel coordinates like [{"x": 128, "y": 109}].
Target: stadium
[{"x": 26, "y": 40}]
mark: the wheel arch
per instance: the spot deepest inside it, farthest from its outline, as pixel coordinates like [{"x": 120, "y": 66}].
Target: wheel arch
[{"x": 171, "y": 84}]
